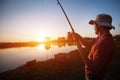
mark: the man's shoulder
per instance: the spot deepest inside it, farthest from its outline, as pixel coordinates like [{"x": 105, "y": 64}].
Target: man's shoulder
[{"x": 105, "y": 41}]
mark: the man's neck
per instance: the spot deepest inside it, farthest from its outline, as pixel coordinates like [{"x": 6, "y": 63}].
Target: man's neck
[{"x": 103, "y": 33}]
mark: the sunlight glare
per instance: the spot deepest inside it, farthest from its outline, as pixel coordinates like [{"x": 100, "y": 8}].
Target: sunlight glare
[
  {"x": 41, "y": 47},
  {"x": 41, "y": 37}
]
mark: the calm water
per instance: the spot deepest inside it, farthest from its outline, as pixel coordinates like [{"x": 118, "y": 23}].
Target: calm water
[{"x": 11, "y": 58}]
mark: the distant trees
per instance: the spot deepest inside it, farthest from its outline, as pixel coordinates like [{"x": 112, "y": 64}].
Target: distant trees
[
  {"x": 61, "y": 39},
  {"x": 69, "y": 38},
  {"x": 47, "y": 43},
  {"x": 117, "y": 37}
]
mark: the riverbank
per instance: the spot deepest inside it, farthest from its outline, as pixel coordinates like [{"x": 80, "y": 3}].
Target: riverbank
[
  {"x": 55, "y": 69},
  {"x": 52, "y": 69}
]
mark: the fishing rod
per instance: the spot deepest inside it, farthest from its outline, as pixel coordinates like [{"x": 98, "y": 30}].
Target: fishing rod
[
  {"x": 66, "y": 16},
  {"x": 85, "y": 59}
]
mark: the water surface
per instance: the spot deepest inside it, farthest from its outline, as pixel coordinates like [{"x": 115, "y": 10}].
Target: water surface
[{"x": 11, "y": 58}]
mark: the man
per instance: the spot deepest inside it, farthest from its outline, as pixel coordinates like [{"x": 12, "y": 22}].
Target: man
[{"x": 103, "y": 48}]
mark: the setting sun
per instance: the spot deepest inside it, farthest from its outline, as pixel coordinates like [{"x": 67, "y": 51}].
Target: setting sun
[{"x": 41, "y": 37}]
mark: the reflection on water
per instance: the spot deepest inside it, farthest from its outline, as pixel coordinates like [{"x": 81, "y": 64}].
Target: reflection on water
[
  {"x": 11, "y": 58},
  {"x": 41, "y": 47}
]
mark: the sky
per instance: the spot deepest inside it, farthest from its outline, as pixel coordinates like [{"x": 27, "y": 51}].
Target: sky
[{"x": 26, "y": 20}]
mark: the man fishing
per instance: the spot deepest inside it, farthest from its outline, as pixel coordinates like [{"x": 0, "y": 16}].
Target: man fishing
[{"x": 103, "y": 48}]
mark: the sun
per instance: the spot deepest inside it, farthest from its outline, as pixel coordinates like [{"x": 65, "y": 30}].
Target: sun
[{"x": 41, "y": 36}]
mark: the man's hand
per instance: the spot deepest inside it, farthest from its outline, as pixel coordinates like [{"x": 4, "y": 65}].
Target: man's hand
[
  {"x": 79, "y": 38},
  {"x": 76, "y": 35}
]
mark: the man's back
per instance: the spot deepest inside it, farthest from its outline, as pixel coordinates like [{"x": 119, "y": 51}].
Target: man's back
[{"x": 101, "y": 55}]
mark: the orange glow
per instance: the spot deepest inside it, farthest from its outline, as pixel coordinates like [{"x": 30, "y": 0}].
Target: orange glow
[
  {"x": 41, "y": 47},
  {"x": 41, "y": 37}
]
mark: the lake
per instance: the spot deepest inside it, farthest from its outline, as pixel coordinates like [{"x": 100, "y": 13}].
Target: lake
[{"x": 11, "y": 58}]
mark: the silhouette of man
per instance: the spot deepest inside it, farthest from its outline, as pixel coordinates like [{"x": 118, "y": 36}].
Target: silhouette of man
[{"x": 102, "y": 50}]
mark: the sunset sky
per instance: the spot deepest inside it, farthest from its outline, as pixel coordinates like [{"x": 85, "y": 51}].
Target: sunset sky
[{"x": 28, "y": 20}]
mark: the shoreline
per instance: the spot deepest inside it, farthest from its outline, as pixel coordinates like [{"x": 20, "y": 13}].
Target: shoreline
[{"x": 53, "y": 69}]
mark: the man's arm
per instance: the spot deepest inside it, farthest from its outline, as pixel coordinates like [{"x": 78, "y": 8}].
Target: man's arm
[
  {"x": 80, "y": 40},
  {"x": 84, "y": 56},
  {"x": 85, "y": 43}
]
